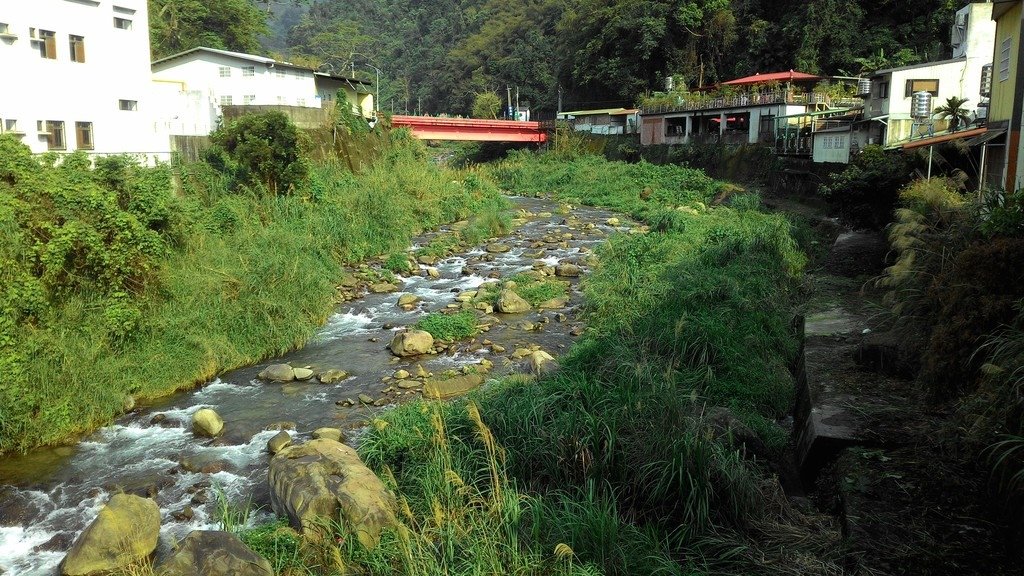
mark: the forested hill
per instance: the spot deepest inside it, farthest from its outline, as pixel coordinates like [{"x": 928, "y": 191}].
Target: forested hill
[{"x": 436, "y": 55}]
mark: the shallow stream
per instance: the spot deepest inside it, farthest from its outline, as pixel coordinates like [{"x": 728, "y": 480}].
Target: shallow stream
[{"x": 48, "y": 496}]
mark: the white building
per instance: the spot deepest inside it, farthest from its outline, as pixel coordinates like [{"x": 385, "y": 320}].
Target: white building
[
  {"x": 202, "y": 80},
  {"x": 76, "y": 76},
  {"x": 888, "y": 106}
]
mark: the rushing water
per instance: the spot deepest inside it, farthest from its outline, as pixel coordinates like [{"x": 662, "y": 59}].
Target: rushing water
[{"x": 50, "y": 495}]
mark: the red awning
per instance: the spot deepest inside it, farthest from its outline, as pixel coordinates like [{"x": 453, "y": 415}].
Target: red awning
[{"x": 759, "y": 78}]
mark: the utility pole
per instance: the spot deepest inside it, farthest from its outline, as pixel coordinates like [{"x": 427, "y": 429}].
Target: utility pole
[
  {"x": 508, "y": 91},
  {"x": 516, "y": 117},
  {"x": 559, "y": 101}
]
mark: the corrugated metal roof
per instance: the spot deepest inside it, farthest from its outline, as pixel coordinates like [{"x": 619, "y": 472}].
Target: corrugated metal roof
[{"x": 944, "y": 138}]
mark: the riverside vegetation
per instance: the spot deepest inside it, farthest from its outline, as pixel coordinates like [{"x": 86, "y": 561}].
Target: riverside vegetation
[
  {"x": 654, "y": 448},
  {"x": 116, "y": 285}
]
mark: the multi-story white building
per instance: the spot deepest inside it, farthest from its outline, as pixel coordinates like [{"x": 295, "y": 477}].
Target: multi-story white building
[
  {"x": 202, "y": 80},
  {"x": 77, "y": 76}
]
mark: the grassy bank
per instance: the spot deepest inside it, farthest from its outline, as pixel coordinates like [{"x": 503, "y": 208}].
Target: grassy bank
[
  {"x": 652, "y": 450},
  {"x": 113, "y": 287}
]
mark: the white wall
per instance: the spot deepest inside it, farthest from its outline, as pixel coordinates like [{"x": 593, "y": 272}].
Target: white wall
[
  {"x": 116, "y": 68},
  {"x": 271, "y": 83}
]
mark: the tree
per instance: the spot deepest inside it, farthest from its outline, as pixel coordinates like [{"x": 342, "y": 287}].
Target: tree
[
  {"x": 954, "y": 110},
  {"x": 486, "y": 105},
  {"x": 179, "y": 25},
  {"x": 261, "y": 150}
]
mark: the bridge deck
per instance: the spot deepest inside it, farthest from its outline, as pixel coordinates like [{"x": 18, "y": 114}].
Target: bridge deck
[{"x": 466, "y": 129}]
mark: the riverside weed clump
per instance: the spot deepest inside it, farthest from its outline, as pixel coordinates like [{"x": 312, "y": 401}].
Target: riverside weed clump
[{"x": 113, "y": 286}]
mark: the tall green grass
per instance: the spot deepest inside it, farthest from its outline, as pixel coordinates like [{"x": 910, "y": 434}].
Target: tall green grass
[
  {"x": 623, "y": 451},
  {"x": 232, "y": 276}
]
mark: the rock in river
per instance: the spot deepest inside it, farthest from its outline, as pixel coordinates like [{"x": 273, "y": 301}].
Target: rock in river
[
  {"x": 214, "y": 553},
  {"x": 125, "y": 531},
  {"x": 332, "y": 376},
  {"x": 317, "y": 480},
  {"x": 498, "y": 248},
  {"x": 329, "y": 433},
  {"x": 206, "y": 422},
  {"x": 412, "y": 343},
  {"x": 567, "y": 270},
  {"x": 303, "y": 374},
  {"x": 511, "y": 303},
  {"x": 279, "y": 442},
  {"x": 278, "y": 373},
  {"x": 442, "y": 389}
]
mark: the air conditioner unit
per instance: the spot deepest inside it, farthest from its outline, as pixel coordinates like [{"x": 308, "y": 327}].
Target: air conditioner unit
[{"x": 981, "y": 113}]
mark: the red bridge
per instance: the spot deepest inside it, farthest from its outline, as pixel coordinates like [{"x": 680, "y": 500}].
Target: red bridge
[{"x": 430, "y": 128}]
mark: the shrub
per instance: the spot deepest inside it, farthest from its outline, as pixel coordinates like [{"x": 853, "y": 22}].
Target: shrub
[
  {"x": 865, "y": 193},
  {"x": 262, "y": 150},
  {"x": 449, "y": 327}
]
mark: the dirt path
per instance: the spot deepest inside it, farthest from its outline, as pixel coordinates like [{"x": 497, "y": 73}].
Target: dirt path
[{"x": 881, "y": 457}]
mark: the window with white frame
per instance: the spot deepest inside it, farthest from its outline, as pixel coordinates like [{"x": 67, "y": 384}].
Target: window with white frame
[
  {"x": 224, "y": 71},
  {"x": 128, "y": 105},
  {"x": 248, "y": 71},
  {"x": 248, "y": 99},
  {"x": 4, "y": 28},
  {"x": 281, "y": 100},
  {"x": 301, "y": 102},
  {"x": 122, "y": 23},
  {"x": 226, "y": 100},
  {"x": 1004, "y": 58},
  {"x": 280, "y": 73}
]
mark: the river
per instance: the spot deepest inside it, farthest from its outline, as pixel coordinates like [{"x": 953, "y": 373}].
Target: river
[{"x": 48, "y": 496}]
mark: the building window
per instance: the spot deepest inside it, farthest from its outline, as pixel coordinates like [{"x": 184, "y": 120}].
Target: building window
[
  {"x": 83, "y": 135},
  {"x": 226, "y": 100},
  {"x": 280, "y": 100},
  {"x": 248, "y": 99},
  {"x": 224, "y": 71},
  {"x": 128, "y": 105},
  {"x": 45, "y": 42},
  {"x": 4, "y": 29},
  {"x": 931, "y": 86},
  {"x": 280, "y": 73},
  {"x": 301, "y": 102},
  {"x": 54, "y": 131},
  {"x": 298, "y": 75},
  {"x": 883, "y": 89},
  {"x": 1004, "y": 58},
  {"x": 248, "y": 70},
  {"x": 122, "y": 23},
  {"x": 77, "y": 44},
  {"x": 11, "y": 125}
]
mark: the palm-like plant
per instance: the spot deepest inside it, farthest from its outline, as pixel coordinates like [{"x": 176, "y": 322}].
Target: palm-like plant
[{"x": 955, "y": 111}]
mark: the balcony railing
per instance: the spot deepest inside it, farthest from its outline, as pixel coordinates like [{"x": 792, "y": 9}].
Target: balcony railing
[{"x": 748, "y": 99}]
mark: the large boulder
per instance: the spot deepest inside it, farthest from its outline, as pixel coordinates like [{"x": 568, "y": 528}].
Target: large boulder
[
  {"x": 412, "y": 343},
  {"x": 567, "y": 270},
  {"x": 511, "y": 303},
  {"x": 313, "y": 483},
  {"x": 278, "y": 373},
  {"x": 125, "y": 532},
  {"x": 214, "y": 553},
  {"x": 451, "y": 387},
  {"x": 206, "y": 422}
]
